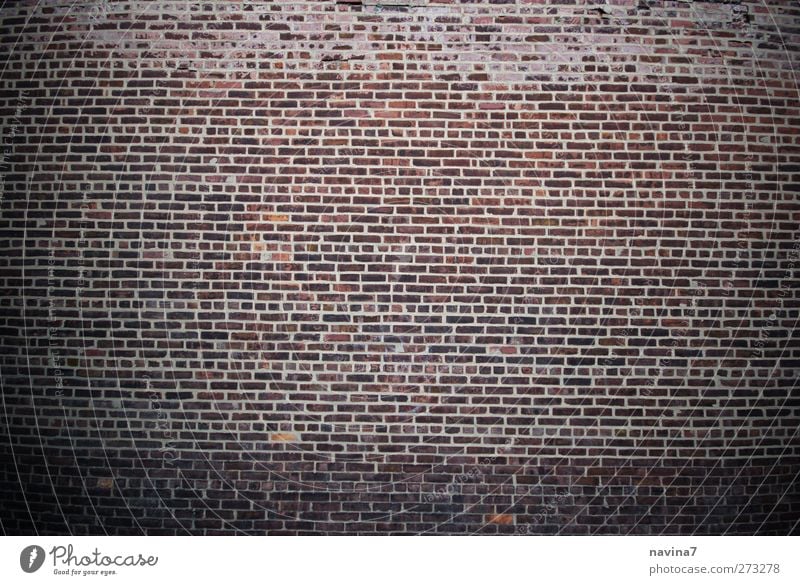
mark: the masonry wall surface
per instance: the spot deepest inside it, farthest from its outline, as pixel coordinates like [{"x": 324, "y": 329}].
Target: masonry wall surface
[{"x": 452, "y": 267}]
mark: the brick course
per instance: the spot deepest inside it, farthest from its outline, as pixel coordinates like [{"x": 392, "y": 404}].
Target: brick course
[{"x": 501, "y": 267}]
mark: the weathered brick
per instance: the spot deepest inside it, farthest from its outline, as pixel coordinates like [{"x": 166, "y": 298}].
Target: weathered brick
[{"x": 360, "y": 267}]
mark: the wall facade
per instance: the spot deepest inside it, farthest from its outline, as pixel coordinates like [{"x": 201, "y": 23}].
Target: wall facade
[{"x": 517, "y": 267}]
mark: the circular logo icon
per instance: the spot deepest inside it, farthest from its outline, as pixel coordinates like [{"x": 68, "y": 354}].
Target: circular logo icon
[{"x": 31, "y": 558}]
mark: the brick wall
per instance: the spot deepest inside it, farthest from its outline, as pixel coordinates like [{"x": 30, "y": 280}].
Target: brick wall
[{"x": 450, "y": 267}]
